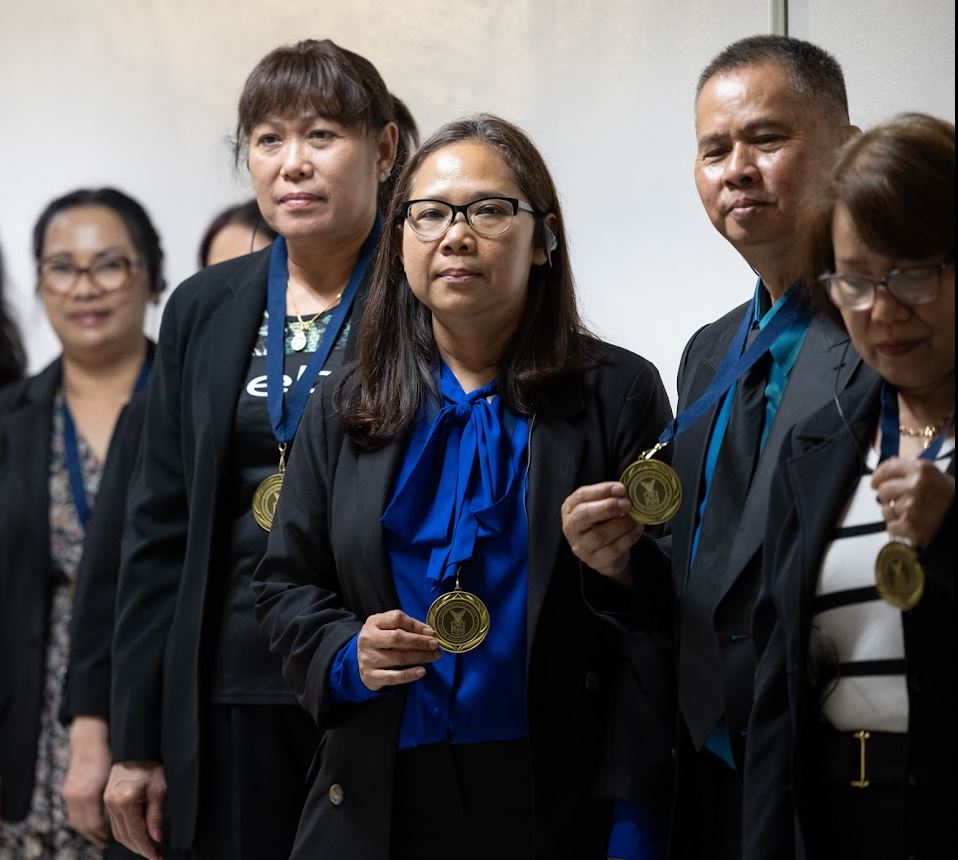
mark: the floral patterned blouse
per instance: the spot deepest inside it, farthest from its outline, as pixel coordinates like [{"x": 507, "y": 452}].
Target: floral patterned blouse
[{"x": 44, "y": 833}]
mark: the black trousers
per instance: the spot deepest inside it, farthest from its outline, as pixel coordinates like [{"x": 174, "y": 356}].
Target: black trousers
[
  {"x": 857, "y": 822},
  {"x": 254, "y": 780},
  {"x": 707, "y": 817},
  {"x": 463, "y": 801}
]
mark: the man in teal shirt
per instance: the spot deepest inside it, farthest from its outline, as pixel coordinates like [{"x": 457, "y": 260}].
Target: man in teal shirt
[{"x": 770, "y": 113}]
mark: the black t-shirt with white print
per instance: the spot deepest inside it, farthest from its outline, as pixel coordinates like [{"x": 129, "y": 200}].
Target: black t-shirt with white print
[{"x": 242, "y": 669}]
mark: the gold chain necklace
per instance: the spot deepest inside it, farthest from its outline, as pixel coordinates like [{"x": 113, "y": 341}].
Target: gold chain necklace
[
  {"x": 299, "y": 339},
  {"x": 927, "y": 433}
]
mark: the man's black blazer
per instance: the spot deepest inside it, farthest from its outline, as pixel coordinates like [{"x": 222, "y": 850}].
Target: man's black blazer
[
  {"x": 326, "y": 570},
  {"x": 826, "y": 364},
  {"x": 175, "y": 522}
]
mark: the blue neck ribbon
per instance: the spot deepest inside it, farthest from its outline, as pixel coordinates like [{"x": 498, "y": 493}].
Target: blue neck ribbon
[
  {"x": 469, "y": 500},
  {"x": 286, "y": 413},
  {"x": 737, "y": 362},
  {"x": 890, "y": 434},
  {"x": 72, "y": 449}
]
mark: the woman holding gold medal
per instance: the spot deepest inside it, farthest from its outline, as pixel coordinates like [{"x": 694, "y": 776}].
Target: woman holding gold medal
[
  {"x": 210, "y": 747},
  {"x": 851, "y": 741},
  {"x": 417, "y": 583}
]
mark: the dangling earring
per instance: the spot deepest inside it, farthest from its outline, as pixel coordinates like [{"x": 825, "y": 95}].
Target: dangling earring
[{"x": 384, "y": 175}]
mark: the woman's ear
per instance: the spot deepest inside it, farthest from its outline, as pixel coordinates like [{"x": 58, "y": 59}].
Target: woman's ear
[
  {"x": 546, "y": 241},
  {"x": 387, "y": 146}
]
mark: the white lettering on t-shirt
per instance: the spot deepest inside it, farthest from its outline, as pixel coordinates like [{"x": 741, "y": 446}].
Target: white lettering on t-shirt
[{"x": 256, "y": 387}]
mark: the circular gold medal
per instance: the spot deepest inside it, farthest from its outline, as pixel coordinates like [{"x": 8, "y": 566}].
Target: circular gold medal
[
  {"x": 265, "y": 499},
  {"x": 899, "y": 576},
  {"x": 654, "y": 491},
  {"x": 459, "y": 619}
]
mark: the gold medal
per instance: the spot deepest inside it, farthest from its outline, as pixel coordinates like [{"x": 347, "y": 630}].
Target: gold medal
[
  {"x": 653, "y": 489},
  {"x": 459, "y": 619},
  {"x": 899, "y": 576},
  {"x": 267, "y": 493},
  {"x": 265, "y": 500}
]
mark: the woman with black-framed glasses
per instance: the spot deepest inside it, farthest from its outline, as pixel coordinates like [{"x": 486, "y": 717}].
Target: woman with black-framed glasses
[
  {"x": 417, "y": 584},
  {"x": 99, "y": 264},
  {"x": 851, "y": 741}
]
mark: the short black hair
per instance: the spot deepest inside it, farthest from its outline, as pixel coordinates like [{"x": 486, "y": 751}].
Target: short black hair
[
  {"x": 332, "y": 81},
  {"x": 134, "y": 217},
  {"x": 246, "y": 214},
  {"x": 815, "y": 74}
]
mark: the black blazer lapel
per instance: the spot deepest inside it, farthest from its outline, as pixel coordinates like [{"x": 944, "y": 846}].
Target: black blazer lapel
[
  {"x": 823, "y": 363},
  {"x": 552, "y": 441},
  {"x": 235, "y": 324},
  {"x": 688, "y": 458},
  {"x": 29, "y": 434},
  {"x": 370, "y": 495}
]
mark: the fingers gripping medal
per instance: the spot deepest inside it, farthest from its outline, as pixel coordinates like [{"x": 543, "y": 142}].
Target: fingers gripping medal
[
  {"x": 460, "y": 620},
  {"x": 266, "y": 497},
  {"x": 653, "y": 488},
  {"x": 899, "y": 576}
]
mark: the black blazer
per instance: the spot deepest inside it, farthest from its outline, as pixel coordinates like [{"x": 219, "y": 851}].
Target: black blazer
[
  {"x": 635, "y": 770},
  {"x": 174, "y": 524},
  {"x": 819, "y": 468},
  {"x": 326, "y": 570},
  {"x": 26, "y": 576},
  {"x": 826, "y": 363},
  {"x": 87, "y": 687}
]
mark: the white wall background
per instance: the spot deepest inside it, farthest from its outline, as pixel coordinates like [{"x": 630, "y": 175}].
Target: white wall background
[{"x": 141, "y": 94}]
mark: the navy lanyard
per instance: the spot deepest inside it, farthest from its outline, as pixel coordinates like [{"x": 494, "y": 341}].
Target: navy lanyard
[
  {"x": 737, "y": 363},
  {"x": 890, "y": 438},
  {"x": 72, "y": 448},
  {"x": 286, "y": 413}
]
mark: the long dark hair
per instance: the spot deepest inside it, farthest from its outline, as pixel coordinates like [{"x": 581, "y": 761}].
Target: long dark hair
[
  {"x": 143, "y": 234},
  {"x": 385, "y": 390},
  {"x": 897, "y": 183},
  {"x": 13, "y": 360},
  {"x": 335, "y": 83}
]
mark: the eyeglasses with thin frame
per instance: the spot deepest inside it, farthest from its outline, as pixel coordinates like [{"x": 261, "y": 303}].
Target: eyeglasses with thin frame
[
  {"x": 60, "y": 274},
  {"x": 488, "y": 216},
  {"x": 914, "y": 285}
]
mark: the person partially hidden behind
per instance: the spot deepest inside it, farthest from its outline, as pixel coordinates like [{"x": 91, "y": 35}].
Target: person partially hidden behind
[
  {"x": 851, "y": 749},
  {"x": 770, "y": 113}
]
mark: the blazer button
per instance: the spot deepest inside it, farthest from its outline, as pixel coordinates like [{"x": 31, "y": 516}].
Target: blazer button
[
  {"x": 592, "y": 681},
  {"x": 336, "y": 794}
]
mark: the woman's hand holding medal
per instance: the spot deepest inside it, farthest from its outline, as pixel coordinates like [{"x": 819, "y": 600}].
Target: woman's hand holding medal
[
  {"x": 596, "y": 522},
  {"x": 392, "y": 648},
  {"x": 914, "y": 495}
]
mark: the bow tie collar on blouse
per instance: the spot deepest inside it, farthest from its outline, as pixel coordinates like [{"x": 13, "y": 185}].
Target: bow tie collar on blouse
[{"x": 455, "y": 490}]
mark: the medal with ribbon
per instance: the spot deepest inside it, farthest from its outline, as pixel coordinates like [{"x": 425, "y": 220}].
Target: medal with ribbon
[
  {"x": 653, "y": 487},
  {"x": 899, "y": 576},
  {"x": 286, "y": 409},
  {"x": 450, "y": 503}
]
